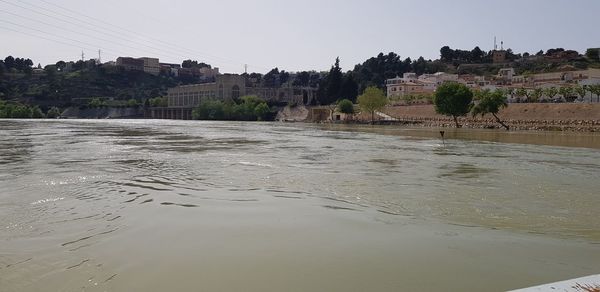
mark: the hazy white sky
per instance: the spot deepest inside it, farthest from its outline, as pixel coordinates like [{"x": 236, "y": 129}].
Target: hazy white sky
[{"x": 291, "y": 35}]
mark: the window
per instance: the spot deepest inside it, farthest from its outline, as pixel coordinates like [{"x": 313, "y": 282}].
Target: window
[
  {"x": 221, "y": 91},
  {"x": 235, "y": 92}
]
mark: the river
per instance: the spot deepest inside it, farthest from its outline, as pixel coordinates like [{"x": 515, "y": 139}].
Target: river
[{"x": 159, "y": 205}]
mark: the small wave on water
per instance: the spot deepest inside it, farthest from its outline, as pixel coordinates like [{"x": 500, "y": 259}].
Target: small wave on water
[{"x": 49, "y": 200}]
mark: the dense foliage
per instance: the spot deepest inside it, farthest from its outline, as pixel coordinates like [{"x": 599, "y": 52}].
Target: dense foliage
[
  {"x": 66, "y": 84},
  {"x": 21, "y": 111},
  {"x": 453, "y": 99},
  {"x": 345, "y": 106},
  {"x": 490, "y": 102},
  {"x": 251, "y": 108},
  {"x": 60, "y": 86},
  {"x": 372, "y": 100}
]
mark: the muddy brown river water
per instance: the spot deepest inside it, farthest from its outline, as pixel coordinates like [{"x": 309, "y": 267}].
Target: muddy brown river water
[{"x": 156, "y": 205}]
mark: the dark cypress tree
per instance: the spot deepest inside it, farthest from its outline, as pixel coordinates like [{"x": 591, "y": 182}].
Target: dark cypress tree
[
  {"x": 349, "y": 88},
  {"x": 334, "y": 82}
]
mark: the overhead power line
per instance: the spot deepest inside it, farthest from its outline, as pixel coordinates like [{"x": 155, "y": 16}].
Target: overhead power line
[
  {"x": 48, "y": 39},
  {"x": 119, "y": 34},
  {"x": 154, "y": 50}
]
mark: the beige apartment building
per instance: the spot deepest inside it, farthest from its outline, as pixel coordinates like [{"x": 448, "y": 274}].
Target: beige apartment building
[
  {"x": 151, "y": 65},
  {"x": 148, "y": 65},
  {"x": 409, "y": 84}
]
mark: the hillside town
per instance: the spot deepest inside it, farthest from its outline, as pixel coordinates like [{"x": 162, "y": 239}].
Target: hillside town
[{"x": 174, "y": 91}]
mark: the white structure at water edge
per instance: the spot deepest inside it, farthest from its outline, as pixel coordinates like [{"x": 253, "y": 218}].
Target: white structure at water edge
[{"x": 590, "y": 283}]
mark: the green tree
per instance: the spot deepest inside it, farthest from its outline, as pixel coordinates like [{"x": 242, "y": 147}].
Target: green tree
[
  {"x": 20, "y": 111},
  {"x": 581, "y": 91},
  {"x": 522, "y": 92},
  {"x": 53, "y": 113},
  {"x": 491, "y": 103},
  {"x": 593, "y": 54},
  {"x": 262, "y": 111},
  {"x": 331, "y": 84},
  {"x": 453, "y": 99},
  {"x": 372, "y": 100},
  {"x": 595, "y": 89},
  {"x": 132, "y": 103},
  {"x": 209, "y": 110},
  {"x": 96, "y": 102},
  {"x": 537, "y": 94},
  {"x": 566, "y": 92},
  {"x": 345, "y": 106},
  {"x": 551, "y": 92},
  {"x": 36, "y": 113},
  {"x": 349, "y": 87}
]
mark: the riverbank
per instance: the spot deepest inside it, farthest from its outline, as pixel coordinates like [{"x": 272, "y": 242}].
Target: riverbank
[{"x": 522, "y": 116}]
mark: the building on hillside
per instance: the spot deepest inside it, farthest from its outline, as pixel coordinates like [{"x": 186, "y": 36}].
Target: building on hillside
[
  {"x": 439, "y": 77},
  {"x": 498, "y": 56},
  {"x": 145, "y": 64},
  {"x": 204, "y": 73},
  {"x": 151, "y": 65},
  {"x": 411, "y": 84},
  {"x": 226, "y": 87},
  {"x": 169, "y": 69},
  {"x": 583, "y": 77},
  {"x": 129, "y": 63}
]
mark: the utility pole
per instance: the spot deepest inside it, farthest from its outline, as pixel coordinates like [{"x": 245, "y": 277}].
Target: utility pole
[
  {"x": 99, "y": 56},
  {"x": 82, "y": 56},
  {"x": 245, "y": 68}
]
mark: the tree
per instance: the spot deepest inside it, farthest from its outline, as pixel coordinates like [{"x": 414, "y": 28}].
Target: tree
[
  {"x": 271, "y": 79},
  {"x": 537, "y": 94},
  {"x": 37, "y": 113},
  {"x": 194, "y": 64},
  {"x": 453, "y": 99},
  {"x": 61, "y": 65},
  {"x": 522, "y": 92},
  {"x": 595, "y": 89},
  {"x": 372, "y": 100},
  {"x": 53, "y": 113},
  {"x": 333, "y": 83},
  {"x": 581, "y": 91},
  {"x": 477, "y": 54},
  {"x": 491, "y": 103},
  {"x": 132, "y": 103},
  {"x": 349, "y": 87},
  {"x": 262, "y": 111},
  {"x": 551, "y": 92},
  {"x": 593, "y": 54},
  {"x": 9, "y": 62},
  {"x": 566, "y": 92},
  {"x": 96, "y": 102},
  {"x": 345, "y": 106},
  {"x": 446, "y": 54}
]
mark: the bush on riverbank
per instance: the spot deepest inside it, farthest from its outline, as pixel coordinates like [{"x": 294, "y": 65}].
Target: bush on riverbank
[
  {"x": 251, "y": 108},
  {"x": 20, "y": 111}
]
